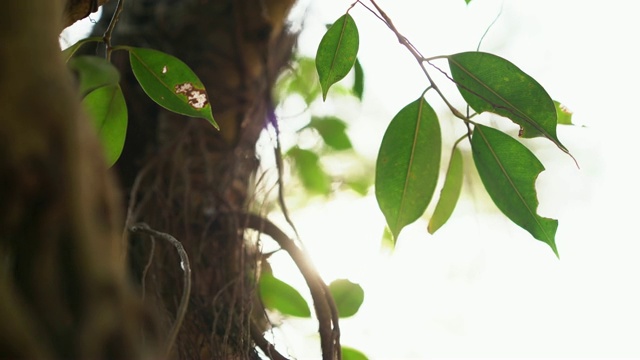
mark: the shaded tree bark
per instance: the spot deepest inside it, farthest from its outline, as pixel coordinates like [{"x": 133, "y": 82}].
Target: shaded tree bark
[{"x": 191, "y": 181}]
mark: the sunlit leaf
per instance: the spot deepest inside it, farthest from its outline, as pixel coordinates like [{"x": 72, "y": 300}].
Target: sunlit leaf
[
  {"x": 509, "y": 171},
  {"x": 278, "y": 295},
  {"x": 171, "y": 83},
  {"x": 333, "y": 132},
  {"x": 358, "y": 81},
  {"x": 490, "y": 83},
  {"x": 449, "y": 194},
  {"x": 337, "y": 52},
  {"x": 108, "y": 110},
  {"x": 408, "y": 164},
  {"x": 564, "y": 114},
  {"x": 312, "y": 175},
  {"x": 301, "y": 79},
  {"x": 94, "y": 72},
  {"x": 68, "y": 52},
  {"x": 352, "y": 354},
  {"x": 347, "y": 296}
]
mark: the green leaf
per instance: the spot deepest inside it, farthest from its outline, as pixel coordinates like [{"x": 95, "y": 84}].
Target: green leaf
[
  {"x": 564, "y": 114},
  {"x": 333, "y": 131},
  {"x": 467, "y": 1},
  {"x": 68, "y": 52},
  {"x": 94, "y": 72},
  {"x": 408, "y": 164},
  {"x": 301, "y": 80},
  {"x": 170, "y": 83},
  {"x": 449, "y": 194},
  {"x": 490, "y": 83},
  {"x": 347, "y": 296},
  {"x": 352, "y": 354},
  {"x": 358, "y": 81},
  {"x": 107, "y": 108},
  {"x": 312, "y": 175},
  {"x": 337, "y": 52},
  {"x": 509, "y": 171},
  {"x": 280, "y": 296}
]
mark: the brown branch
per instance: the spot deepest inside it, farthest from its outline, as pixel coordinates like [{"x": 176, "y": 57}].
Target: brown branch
[
  {"x": 264, "y": 345},
  {"x": 323, "y": 302}
]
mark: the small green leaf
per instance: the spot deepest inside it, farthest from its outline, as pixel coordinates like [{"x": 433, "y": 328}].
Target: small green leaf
[
  {"x": 347, "y": 296},
  {"x": 490, "y": 83},
  {"x": 107, "y": 108},
  {"x": 170, "y": 83},
  {"x": 564, "y": 114},
  {"x": 352, "y": 354},
  {"x": 449, "y": 194},
  {"x": 68, "y": 52},
  {"x": 358, "y": 81},
  {"x": 408, "y": 164},
  {"x": 333, "y": 132},
  {"x": 467, "y": 1},
  {"x": 278, "y": 295},
  {"x": 337, "y": 52},
  {"x": 509, "y": 171},
  {"x": 312, "y": 175},
  {"x": 94, "y": 72}
]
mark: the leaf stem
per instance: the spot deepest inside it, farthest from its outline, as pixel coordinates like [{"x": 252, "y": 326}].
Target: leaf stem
[{"x": 112, "y": 25}]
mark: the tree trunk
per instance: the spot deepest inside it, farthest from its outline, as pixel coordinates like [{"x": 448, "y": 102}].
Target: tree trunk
[
  {"x": 63, "y": 289},
  {"x": 190, "y": 181}
]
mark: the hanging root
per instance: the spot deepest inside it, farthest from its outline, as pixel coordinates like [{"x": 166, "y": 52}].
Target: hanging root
[
  {"x": 186, "y": 289},
  {"x": 324, "y": 304}
]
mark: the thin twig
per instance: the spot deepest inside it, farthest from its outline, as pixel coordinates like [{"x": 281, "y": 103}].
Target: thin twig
[
  {"x": 186, "y": 286},
  {"x": 264, "y": 345},
  {"x": 112, "y": 25}
]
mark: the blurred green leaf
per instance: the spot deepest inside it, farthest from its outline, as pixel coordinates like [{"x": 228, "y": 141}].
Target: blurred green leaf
[
  {"x": 108, "y": 110},
  {"x": 347, "y": 296},
  {"x": 278, "y": 295},
  {"x": 94, "y": 72},
  {"x": 68, "y": 52},
  {"x": 408, "y": 164},
  {"x": 337, "y": 52},
  {"x": 490, "y": 83},
  {"x": 358, "y": 81},
  {"x": 352, "y": 354},
  {"x": 564, "y": 114},
  {"x": 312, "y": 175},
  {"x": 170, "y": 83},
  {"x": 449, "y": 194},
  {"x": 332, "y": 130},
  {"x": 301, "y": 79},
  {"x": 509, "y": 171}
]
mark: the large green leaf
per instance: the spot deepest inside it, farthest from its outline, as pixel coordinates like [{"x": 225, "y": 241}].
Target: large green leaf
[
  {"x": 408, "y": 164},
  {"x": 337, "y": 52},
  {"x": 278, "y": 295},
  {"x": 490, "y": 83},
  {"x": 94, "y": 72},
  {"x": 171, "y": 83},
  {"x": 509, "y": 171},
  {"x": 311, "y": 173},
  {"x": 108, "y": 110},
  {"x": 347, "y": 296},
  {"x": 333, "y": 131},
  {"x": 449, "y": 194}
]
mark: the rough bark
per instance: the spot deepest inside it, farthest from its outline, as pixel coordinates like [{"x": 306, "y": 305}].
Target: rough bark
[
  {"x": 189, "y": 180},
  {"x": 63, "y": 286}
]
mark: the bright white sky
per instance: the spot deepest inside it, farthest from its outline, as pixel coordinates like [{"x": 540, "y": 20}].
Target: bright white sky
[{"x": 481, "y": 287}]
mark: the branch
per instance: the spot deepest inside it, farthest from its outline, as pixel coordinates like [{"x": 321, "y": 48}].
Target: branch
[
  {"x": 186, "y": 288},
  {"x": 264, "y": 345},
  {"x": 324, "y": 305}
]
